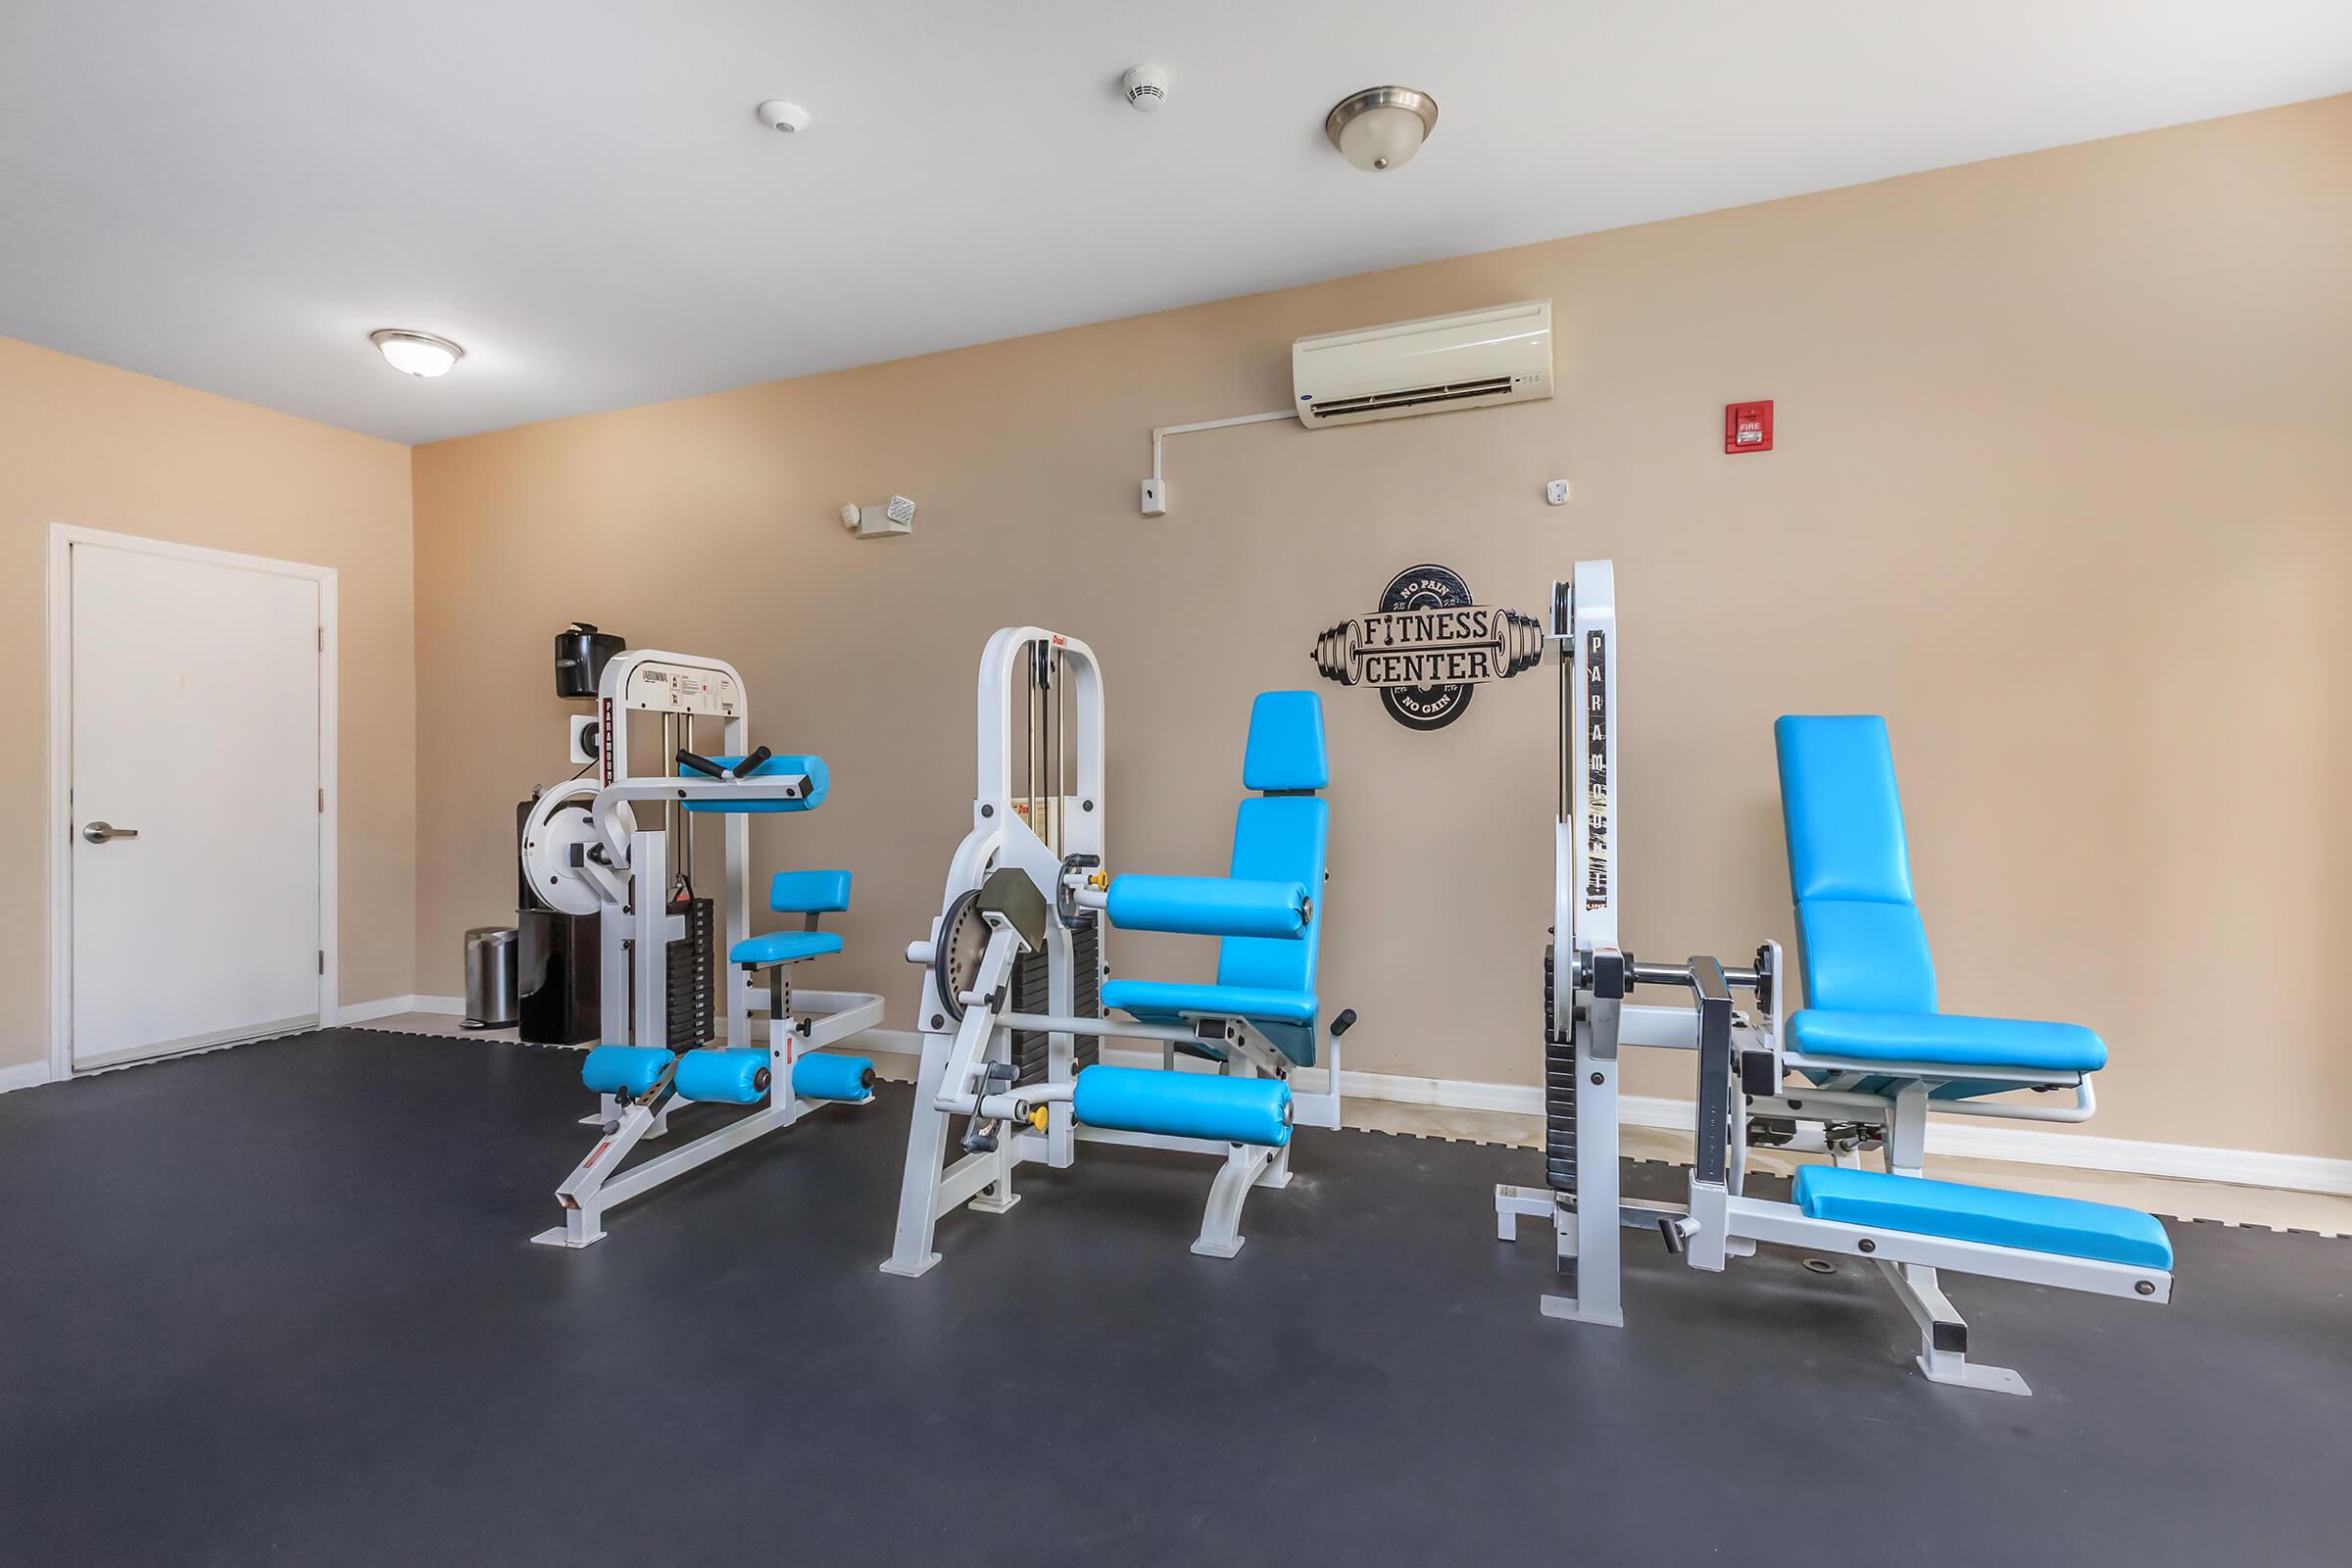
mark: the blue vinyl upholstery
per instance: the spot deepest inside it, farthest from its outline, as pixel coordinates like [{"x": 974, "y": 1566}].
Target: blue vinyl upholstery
[
  {"x": 1185, "y": 1105},
  {"x": 624, "y": 1069},
  {"x": 820, "y": 782},
  {"x": 795, "y": 892},
  {"x": 821, "y": 1075},
  {"x": 808, "y": 892},
  {"x": 1870, "y": 980},
  {"x": 1280, "y": 838},
  {"x": 2029, "y": 1221},
  {"x": 1286, "y": 744},
  {"x": 719, "y": 1076},
  {"x": 1947, "y": 1040},
  {"x": 783, "y": 947},
  {"x": 1209, "y": 906}
]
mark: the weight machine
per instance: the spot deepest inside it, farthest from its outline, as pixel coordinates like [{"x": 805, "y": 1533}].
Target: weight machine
[
  {"x": 585, "y": 851},
  {"x": 1015, "y": 992},
  {"x": 1859, "y": 1069}
]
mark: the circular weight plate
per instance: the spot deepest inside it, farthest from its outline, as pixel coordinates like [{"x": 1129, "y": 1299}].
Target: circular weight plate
[
  {"x": 956, "y": 956},
  {"x": 560, "y": 821}
]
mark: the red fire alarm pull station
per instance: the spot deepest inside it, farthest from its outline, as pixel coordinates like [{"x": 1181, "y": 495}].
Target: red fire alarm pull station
[{"x": 1748, "y": 427}]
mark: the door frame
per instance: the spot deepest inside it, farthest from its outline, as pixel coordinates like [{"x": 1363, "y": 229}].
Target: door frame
[{"x": 62, "y": 536}]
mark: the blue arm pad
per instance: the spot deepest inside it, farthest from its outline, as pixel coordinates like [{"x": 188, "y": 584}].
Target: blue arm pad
[
  {"x": 1209, "y": 906},
  {"x": 821, "y": 780}
]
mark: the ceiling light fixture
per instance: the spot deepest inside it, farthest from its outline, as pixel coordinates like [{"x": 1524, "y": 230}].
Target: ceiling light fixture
[
  {"x": 416, "y": 352},
  {"x": 1381, "y": 127}
]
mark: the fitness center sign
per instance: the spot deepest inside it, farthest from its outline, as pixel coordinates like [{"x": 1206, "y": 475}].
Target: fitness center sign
[{"x": 1428, "y": 645}]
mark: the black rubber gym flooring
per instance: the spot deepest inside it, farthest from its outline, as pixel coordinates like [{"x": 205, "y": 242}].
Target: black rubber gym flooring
[{"x": 276, "y": 1304}]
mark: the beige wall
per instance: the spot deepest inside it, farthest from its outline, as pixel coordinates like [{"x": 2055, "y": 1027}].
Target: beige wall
[
  {"x": 101, "y": 448},
  {"x": 2061, "y": 488}
]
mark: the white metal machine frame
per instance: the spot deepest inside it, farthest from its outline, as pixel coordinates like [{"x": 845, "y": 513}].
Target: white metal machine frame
[
  {"x": 1742, "y": 1063},
  {"x": 1026, "y": 879},
  {"x": 585, "y": 851}
]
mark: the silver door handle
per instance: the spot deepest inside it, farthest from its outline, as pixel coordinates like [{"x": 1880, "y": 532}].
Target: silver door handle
[{"x": 100, "y": 832}]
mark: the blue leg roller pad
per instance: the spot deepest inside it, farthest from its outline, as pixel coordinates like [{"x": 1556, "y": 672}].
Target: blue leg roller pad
[
  {"x": 1186, "y": 1104},
  {"x": 824, "y": 1077},
  {"x": 724, "y": 1077}
]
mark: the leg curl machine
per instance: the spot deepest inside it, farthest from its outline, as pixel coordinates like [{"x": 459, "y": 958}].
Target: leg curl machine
[
  {"x": 1858, "y": 1069},
  {"x": 584, "y": 852},
  {"x": 1015, "y": 992}
]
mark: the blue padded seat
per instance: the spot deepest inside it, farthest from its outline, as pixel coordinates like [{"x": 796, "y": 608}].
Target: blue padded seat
[
  {"x": 821, "y": 781},
  {"x": 2029, "y": 1221},
  {"x": 1870, "y": 980},
  {"x": 1947, "y": 1040},
  {"x": 1164, "y": 999},
  {"x": 1280, "y": 835},
  {"x": 807, "y": 893},
  {"x": 783, "y": 947}
]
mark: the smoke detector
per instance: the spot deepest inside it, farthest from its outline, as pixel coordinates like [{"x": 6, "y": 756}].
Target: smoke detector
[
  {"x": 777, "y": 114},
  {"x": 1146, "y": 87}
]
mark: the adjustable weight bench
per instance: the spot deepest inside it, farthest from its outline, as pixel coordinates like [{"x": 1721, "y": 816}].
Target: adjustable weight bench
[
  {"x": 1878, "y": 1053},
  {"x": 1863, "y": 1062}
]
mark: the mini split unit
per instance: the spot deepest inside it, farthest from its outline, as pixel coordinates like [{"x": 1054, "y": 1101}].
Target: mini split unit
[{"x": 1467, "y": 360}]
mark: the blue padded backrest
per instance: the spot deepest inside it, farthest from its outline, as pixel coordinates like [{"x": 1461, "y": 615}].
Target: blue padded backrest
[
  {"x": 808, "y": 892},
  {"x": 1838, "y": 804},
  {"x": 1860, "y": 956},
  {"x": 1278, "y": 840},
  {"x": 1860, "y": 940},
  {"x": 1286, "y": 745}
]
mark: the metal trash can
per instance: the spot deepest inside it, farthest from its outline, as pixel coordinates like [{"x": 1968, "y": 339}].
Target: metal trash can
[{"x": 490, "y": 977}]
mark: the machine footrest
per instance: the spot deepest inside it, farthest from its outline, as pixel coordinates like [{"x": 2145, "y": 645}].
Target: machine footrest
[
  {"x": 824, "y": 1077},
  {"x": 1185, "y": 1105},
  {"x": 1994, "y": 1216},
  {"x": 624, "y": 1069},
  {"x": 719, "y": 1076}
]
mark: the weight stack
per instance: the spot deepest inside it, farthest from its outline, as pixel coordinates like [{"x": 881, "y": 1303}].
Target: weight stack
[
  {"x": 1559, "y": 1086},
  {"x": 1031, "y": 993},
  {"x": 692, "y": 975}
]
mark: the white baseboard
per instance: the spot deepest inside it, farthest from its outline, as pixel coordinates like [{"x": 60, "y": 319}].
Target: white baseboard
[
  {"x": 1970, "y": 1139},
  {"x": 23, "y": 1075},
  {"x": 447, "y": 1006},
  {"x": 384, "y": 1007}
]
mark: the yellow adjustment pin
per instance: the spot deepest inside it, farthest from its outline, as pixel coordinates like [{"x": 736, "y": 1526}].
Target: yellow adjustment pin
[
  {"x": 1099, "y": 881},
  {"x": 1037, "y": 1117}
]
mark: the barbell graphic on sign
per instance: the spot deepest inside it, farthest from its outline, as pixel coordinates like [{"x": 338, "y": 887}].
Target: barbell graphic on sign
[{"x": 1427, "y": 646}]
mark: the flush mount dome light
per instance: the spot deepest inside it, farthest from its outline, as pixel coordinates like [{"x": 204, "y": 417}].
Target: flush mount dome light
[
  {"x": 416, "y": 352},
  {"x": 1381, "y": 127}
]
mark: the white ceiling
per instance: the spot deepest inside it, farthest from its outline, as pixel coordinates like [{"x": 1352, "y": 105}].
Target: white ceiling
[{"x": 233, "y": 194}]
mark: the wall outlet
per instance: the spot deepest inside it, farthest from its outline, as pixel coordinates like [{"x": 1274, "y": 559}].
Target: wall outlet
[
  {"x": 1555, "y": 491},
  {"x": 1156, "y": 497}
]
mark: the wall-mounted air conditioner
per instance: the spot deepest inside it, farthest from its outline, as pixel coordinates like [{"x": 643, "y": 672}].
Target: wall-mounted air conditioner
[{"x": 1467, "y": 360}]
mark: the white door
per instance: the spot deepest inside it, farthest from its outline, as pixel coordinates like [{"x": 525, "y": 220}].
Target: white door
[{"x": 195, "y": 807}]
